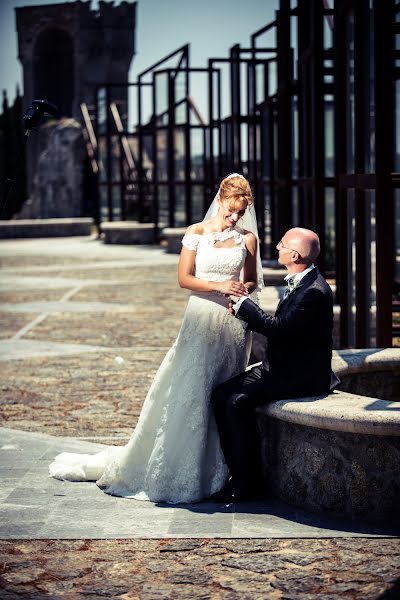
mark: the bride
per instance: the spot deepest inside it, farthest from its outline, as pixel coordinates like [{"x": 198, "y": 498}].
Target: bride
[{"x": 174, "y": 454}]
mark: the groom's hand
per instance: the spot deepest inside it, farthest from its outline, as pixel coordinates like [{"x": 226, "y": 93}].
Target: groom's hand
[{"x": 232, "y": 301}]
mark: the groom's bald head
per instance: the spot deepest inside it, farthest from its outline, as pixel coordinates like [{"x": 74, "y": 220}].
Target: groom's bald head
[
  {"x": 305, "y": 241},
  {"x": 299, "y": 245}
]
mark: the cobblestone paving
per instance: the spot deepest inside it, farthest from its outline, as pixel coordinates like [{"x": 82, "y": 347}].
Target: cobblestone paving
[
  {"x": 93, "y": 395},
  {"x": 86, "y": 395},
  {"x": 201, "y": 569}
]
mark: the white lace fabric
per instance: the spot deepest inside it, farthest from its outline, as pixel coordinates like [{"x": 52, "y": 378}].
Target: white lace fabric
[{"x": 174, "y": 454}]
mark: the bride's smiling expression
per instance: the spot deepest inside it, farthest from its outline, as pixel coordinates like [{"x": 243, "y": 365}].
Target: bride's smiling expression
[{"x": 230, "y": 211}]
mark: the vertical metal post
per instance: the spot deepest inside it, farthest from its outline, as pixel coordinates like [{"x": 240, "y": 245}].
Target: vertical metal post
[
  {"x": 343, "y": 244},
  {"x": 121, "y": 178},
  {"x": 153, "y": 133},
  {"x": 219, "y": 117},
  {"x": 304, "y": 112},
  {"x": 188, "y": 150},
  {"x": 109, "y": 155},
  {"x": 384, "y": 128},
  {"x": 171, "y": 149},
  {"x": 284, "y": 113},
  {"x": 207, "y": 132},
  {"x": 140, "y": 183},
  {"x": 362, "y": 209},
  {"x": 97, "y": 208},
  {"x": 300, "y": 113},
  {"x": 317, "y": 123},
  {"x": 235, "y": 103},
  {"x": 268, "y": 161},
  {"x": 251, "y": 112},
  {"x": 209, "y": 166}
]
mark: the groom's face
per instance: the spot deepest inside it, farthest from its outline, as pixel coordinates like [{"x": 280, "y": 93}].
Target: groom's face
[{"x": 287, "y": 253}]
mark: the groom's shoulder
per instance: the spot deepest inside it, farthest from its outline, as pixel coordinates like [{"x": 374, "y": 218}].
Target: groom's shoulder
[{"x": 321, "y": 284}]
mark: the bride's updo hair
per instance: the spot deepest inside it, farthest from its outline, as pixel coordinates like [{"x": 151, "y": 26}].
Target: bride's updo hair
[{"x": 237, "y": 190}]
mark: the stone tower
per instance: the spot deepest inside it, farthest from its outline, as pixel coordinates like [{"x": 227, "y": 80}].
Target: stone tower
[{"x": 67, "y": 49}]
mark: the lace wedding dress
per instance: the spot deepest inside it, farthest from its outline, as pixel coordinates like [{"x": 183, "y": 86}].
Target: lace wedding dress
[{"x": 174, "y": 454}]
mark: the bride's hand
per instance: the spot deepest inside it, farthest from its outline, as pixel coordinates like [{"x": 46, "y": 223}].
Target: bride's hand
[{"x": 232, "y": 288}]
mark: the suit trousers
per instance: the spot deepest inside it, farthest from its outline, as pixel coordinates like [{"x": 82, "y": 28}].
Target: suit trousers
[{"x": 234, "y": 403}]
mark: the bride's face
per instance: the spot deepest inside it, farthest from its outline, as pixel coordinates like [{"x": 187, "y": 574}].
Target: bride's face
[{"x": 230, "y": 211}]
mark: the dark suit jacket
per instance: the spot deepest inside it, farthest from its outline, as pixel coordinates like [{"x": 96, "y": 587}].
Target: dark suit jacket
[{"x": 299, "y": 336}]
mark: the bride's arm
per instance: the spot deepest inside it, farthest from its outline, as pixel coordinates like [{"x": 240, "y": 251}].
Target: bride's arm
[
  {"x": 189, "y": 281},
  {"x": 250, "y": 265}
]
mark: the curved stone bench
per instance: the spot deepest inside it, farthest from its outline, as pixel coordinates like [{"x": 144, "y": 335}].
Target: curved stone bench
[
  {"x": 339, "y": 453},
  {"x": 369, "y": 371}
]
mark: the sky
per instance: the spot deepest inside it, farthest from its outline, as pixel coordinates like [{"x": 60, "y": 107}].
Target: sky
[{"x": 210, "y": 26}]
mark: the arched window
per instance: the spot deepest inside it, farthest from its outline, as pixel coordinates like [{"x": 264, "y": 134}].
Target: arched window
[{"x": 54, "y": 69}]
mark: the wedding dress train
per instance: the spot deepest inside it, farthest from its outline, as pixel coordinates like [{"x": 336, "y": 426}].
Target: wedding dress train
[{"x": 174, "y": 454}]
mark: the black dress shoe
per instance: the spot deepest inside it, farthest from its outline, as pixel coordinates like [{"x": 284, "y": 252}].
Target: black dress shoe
[
  {"x": 225, "y": 495},
  {"x": 220, "y": 497},
  {"x": 231, "y": 492},
  {"x": 246, "y": 496}
]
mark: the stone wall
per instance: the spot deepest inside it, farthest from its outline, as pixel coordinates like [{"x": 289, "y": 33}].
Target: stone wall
[
  {"x": 382, "y": 384},
  {"x": 322, "y": 470}
]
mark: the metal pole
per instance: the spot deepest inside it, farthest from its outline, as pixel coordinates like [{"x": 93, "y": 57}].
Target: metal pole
[{"x": 384, "y": 128}]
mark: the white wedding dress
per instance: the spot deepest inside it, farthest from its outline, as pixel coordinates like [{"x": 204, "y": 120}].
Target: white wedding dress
[{"x": 174, "y": 454}]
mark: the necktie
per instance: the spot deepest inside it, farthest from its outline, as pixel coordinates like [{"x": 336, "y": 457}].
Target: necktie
[{"x": 289, "y": 287}]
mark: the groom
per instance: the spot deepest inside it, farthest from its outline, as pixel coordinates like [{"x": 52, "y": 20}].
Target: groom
[{"x": 299, "y": 354}]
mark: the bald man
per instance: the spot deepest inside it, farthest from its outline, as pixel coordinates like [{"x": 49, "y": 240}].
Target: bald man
[{"x": 299, "y": 353}]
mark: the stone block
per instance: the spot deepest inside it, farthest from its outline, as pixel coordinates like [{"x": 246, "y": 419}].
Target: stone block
[
  {"x": 128, "y": 232},
  {"x": 173, "y": 237}
]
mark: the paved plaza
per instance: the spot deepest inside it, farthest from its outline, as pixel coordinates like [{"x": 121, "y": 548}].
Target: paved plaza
[{"x": 84, "y": 327}]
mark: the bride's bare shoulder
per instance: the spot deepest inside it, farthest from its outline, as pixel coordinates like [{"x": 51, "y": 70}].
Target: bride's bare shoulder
[{"x": 196, "y": 228}]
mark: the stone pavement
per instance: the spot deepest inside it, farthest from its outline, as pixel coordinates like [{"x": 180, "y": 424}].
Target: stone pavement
[
  {"x": 34, "y": 505},
  {"x": 84, "y": 327}
]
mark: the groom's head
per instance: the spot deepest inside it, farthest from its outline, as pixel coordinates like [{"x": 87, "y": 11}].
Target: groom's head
[{"x": 298, "y": 247}]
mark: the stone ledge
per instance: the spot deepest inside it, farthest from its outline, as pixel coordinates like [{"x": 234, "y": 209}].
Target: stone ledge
[
  {"x": 344, "y": 411},
  {"x": 346, "y": 362},
  {"x": 127, "y": 232},
  {"x": 173, "y": 237},
  {"x": 44, "y": 228},
  {"x": 340, "y": 411}
]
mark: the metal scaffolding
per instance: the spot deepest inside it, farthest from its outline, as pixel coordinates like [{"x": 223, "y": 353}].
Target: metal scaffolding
[{"x": 313, "y": 114}]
